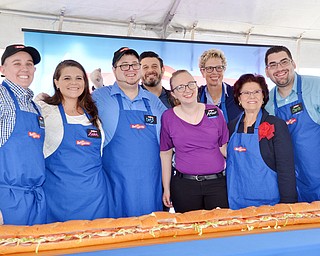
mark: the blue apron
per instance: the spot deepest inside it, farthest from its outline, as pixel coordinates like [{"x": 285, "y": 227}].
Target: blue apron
[
  {"x": 22, "y": 170},
  {"x": 76, "y": 184},
  {"x": 305, "y": 134},
  {"x": 250, "y": 181},
  {"x": 132, "y": 162},
  {"x": 222, "y": 105}
]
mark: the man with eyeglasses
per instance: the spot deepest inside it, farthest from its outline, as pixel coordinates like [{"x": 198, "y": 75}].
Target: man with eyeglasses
[
  {"x": 131, "y": 155},
  {"x": 296, "y": 99},
  {"x": 212, "y": 65}
]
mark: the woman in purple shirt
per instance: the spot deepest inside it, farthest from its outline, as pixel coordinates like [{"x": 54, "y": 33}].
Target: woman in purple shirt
[{"x": 199, "y": 134}]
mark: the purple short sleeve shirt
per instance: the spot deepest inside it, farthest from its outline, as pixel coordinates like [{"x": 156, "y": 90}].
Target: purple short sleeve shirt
[{"x": 196, "y": 146}]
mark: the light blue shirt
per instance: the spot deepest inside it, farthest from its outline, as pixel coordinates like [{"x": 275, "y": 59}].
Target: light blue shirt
[
  {"x": 310, "y": 95},
  {"x": 209, "y": 98},
  {"x": 108, "y": 107}
]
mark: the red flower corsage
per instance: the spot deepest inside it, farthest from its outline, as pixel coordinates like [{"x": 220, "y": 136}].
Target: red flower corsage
[{"x": 266, "y": 130}]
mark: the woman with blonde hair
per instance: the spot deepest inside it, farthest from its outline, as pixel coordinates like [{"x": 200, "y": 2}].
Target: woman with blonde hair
[{"x": 199, "y": 134}]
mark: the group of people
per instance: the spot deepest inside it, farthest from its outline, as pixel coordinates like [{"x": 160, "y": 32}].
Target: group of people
[{"x": 133, "y": 148}]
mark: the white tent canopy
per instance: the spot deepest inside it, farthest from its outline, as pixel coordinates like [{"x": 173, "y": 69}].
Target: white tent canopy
[{"x": 293, "y": 23}]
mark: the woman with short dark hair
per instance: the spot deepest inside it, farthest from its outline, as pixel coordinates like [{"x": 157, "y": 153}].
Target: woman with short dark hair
[{"x": 260, "y": 165}]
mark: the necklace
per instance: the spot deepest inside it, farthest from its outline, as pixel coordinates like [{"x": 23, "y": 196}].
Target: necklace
[
  {"x": 74, "y": 111},
  {"x": 193, "y": 117}
]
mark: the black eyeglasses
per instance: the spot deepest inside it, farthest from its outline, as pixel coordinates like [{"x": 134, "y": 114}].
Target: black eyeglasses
[
  {"x": 126, "y": 67},
  {"x": 283, "y": 63},
  {"x": 210, "y": 69},
  {"x": 182, "y": 87}
]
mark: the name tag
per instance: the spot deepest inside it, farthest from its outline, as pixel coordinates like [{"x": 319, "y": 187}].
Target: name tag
[
  {"x": 212, "y": 113},
  {"x": 296, "y": 109},
  {"x": 93, "y": 133},
  {"x": 41, "y": 122},
  {"x": 149, "y": 119}
]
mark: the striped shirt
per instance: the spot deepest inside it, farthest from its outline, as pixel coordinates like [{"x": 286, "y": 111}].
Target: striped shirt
[{"x": 7, "y": 108}]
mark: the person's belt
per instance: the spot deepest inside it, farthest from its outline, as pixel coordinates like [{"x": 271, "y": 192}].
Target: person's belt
[{"x": 201, "y": 177}]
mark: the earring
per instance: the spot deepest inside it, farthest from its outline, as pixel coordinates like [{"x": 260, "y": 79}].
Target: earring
[{"x": 239, "y": 103}]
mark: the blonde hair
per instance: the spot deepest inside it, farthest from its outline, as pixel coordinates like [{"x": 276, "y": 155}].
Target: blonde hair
[
  {"x": 212, "y": 53},
  {"x": 176, "y": 102},
  {"x": 175, "y": 74}
]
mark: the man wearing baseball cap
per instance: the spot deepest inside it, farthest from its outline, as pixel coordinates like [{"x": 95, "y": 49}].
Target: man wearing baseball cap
[
  {"x": 131, "y": 120},
  {"x": 22, "y": 200}
]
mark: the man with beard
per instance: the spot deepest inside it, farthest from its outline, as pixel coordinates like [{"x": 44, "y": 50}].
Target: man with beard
[
  {"x": 296, "y": 99},
  {"x": 152, "y": 71},
  {"x": 130, "y": 119},
  {"x": 212, "y": 65}
]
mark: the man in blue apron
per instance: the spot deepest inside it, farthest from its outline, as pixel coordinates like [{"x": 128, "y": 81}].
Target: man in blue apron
[
  {"x": 22, "y": 168},
  {"x": 152, "y": 70},
  {"x": 212, "y": 65},
  {"x": 131, "y": 156},
  {"x": 296, "y": 100}
]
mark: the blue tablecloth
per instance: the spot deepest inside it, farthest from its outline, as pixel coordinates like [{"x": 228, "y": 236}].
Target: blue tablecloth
[{"x": 298, "y": 242}]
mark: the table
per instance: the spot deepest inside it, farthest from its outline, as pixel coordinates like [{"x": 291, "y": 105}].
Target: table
[{"x": 296, "y": 242}]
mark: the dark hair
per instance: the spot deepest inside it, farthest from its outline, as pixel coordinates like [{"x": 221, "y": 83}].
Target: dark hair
[
  {"x": 246, "y": 78},
  {"x": 276, "y": 49},
  {"x": 150, "y": 54},
  {"x": 84, "y": 101},
  {"x": 121, "y": 52}
]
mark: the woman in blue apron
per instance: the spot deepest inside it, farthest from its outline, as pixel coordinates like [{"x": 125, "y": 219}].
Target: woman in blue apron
[
  {"x": 305, "y": 134},
  {"x": 22, "y": 200},
  {"x": 222, "y": 105},
  {"x": 260, "y": 166},
  {"x": 132, "y": 162},
  {"x": 212, "y": 65},
  {"x": 76, "y": 185}
]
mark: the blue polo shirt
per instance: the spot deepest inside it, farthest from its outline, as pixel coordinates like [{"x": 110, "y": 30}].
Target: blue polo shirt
[
  {"x": 310, "y": 95},
  {"x": 108, "y": 107}
]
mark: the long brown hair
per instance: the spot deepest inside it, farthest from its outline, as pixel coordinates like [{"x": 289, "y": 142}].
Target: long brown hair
[{"x": 84, "y": 100}]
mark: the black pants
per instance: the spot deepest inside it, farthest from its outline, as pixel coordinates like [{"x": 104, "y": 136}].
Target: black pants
[{"x": 189, "y": 195}]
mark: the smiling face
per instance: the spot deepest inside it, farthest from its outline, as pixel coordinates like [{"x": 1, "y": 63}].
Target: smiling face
[
  {"x": 251, "y": 97},
  {"x": 151, "y": 72},
  {"x": 70, "y": 83},
  {"x": 189, "y": 95},
  {"x": 281, "y": 76},
  {"x": 19, "y": 69},
  {"x": 214, "y": 78},
  {"x": 129, "y": 78}
]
